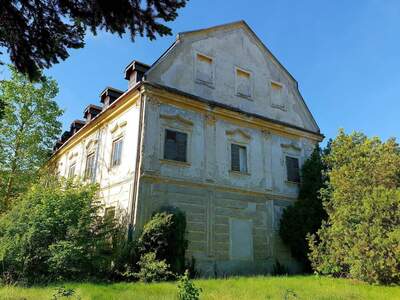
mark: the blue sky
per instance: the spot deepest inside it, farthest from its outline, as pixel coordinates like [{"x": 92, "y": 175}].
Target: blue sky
[{"x": 345, "y": 54}]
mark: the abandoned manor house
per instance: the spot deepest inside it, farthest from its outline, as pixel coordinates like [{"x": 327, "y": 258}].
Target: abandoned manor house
[{"x": 215, "y": 127}]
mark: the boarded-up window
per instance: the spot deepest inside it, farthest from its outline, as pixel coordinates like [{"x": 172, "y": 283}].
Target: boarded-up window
[
  {"x": 71, "y": 171},
  {"x": 90, "y": 167},
  {"x": 292, "y": 169},
  {"x": 204, "y": 69},
  {"x": 238, "y": 158},
  {"x": 277, "y": 95},
  {"x": 243, "y": 83},
  {"x": 241, "y": 239},
  {"x": 175, "y": 146},
  {"x": 116, "y": 152}
]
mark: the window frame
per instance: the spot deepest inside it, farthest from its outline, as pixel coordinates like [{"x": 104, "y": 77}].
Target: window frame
[
  {"x": 119, "y": 139},
  {"x": 165, "y": 129},
  {"x": 240, "y": 146},
  {"x": 237, "y": 93},
  {"x": 90, "y": 175},
  {"x": 70, "y": 174},
  {"x": 282, "y": 94},
  {"x": 211, "y": 83},
  {"x": 287, "y": 169}
]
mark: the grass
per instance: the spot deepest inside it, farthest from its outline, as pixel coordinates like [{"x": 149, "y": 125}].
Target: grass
[{"x": 253, "y": 288}]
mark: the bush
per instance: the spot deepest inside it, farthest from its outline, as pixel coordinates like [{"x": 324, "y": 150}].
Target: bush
[
  {"x": 307, "y": 213},
  {"x": 164, "y": 235},
  {"x": 153, "y": 270},
  {"x": 186, "y": 288},
  {"x": 56, "y": 232},
  {"x": 361, "y": 237}
]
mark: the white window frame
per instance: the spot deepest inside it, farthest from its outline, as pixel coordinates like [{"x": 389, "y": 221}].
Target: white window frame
[
  {"x": 116, "y": 140},
  {"x": 242, "y": 145},
  {"x": 90, "y": 178},
  {"x": 70, "y": 174}
]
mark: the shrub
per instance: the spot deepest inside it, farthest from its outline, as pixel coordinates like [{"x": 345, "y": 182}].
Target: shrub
[
  {"x": 56, "y": 232},
  {"x": 279, "y": 269},
  {"x": 361, "y": 237},
  {"x": 152, "y": 270},
  {"x": 186, "y": 288},
  {"x": 307, "y": 213},
  {"x": 164, "y": 235}
]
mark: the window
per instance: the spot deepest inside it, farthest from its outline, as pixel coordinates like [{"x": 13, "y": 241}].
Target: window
[
  {"x": 90, "y": 167},
  {"x": 175, "y": 146},
  {"x": 238, "y": 158},
  {"x": 116, "y": 152},
  {"x": 204, "y": 69},
  {"x": 243, "y": 83},
  {"x": 109, "y": 213},
  {"x": 292, "y": 169},
  {"x": 71, "y": 171},
  {"x": 277, "y": 95}
]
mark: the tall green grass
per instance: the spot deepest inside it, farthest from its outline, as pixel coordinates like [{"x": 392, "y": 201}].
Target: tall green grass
[{"x": 251, "y": 288}]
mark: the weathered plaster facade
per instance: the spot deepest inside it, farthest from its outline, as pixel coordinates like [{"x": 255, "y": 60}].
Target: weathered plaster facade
[{"x": 219, "y": 86}]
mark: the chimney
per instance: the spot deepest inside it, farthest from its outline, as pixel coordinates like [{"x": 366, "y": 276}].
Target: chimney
[
  {"x": 65, "y": 136},
  {"x": 134, "y": 72},
  {"x": 91, "y": 111},
  {"x": 109, "y": 95},
  {"x": 76, "y": 125},
  {"x": 58, "y": 145}
]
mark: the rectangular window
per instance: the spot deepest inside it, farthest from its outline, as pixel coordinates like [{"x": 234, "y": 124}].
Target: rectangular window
[
  {"x": 204, "y": 69},
  {"x": 175, "y": 145},
  {"x": 238, "y": 158},
  {"x": 277, "y": 95},
  {"x": 109, "y": 213},
  {"x": 292, "y": 169},
  {"x": 71, "y": 171},
  {"x": 116, "y": 152},
  {"x": 243, "y": 83},
  {"x": 90, "y": 167}
]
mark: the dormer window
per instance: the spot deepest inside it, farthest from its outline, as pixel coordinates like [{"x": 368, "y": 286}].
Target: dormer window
[
  {"x": 243, "y": 83},
  {"x": 204, "y": 69}
]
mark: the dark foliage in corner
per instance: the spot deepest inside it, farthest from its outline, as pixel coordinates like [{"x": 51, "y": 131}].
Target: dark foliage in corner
[
  {"x": 164, "y": 235},
  {"x": 306, "y": 215},
  {"x": 37, "y": 34}
]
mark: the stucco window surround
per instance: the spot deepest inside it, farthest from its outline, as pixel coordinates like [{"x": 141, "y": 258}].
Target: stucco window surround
[
  {"x": 179, "y": 124},
  {"x": 292, "y": 150},
  {"x": 241, "y": 138},
  {"x": 244, "y": 83},
  {"x": 204, "y": 69},
  {"x": 278, "y": 94}
]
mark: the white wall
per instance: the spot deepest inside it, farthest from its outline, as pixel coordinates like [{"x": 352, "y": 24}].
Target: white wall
[
  {"x": 116, "y": 183},
  {"x": 230, "y": 49}
]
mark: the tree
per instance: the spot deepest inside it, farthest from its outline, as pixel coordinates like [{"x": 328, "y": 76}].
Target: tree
[
  {"x": 37, "y": 34},
  {"x": 28, "y": 131},
  {"x": 361, "y": 236},
  {"x": 56, "y": 231},
  {"x": 307, "y": 213}
]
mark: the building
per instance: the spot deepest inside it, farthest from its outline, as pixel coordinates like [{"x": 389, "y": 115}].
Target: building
[{"x": 216, "y": 127}]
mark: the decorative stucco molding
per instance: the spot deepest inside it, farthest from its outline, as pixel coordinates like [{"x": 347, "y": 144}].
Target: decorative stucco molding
[
  {"x": 118, "y": 125},
  {"x": 176, "y": 118},
  {"x": 292, "y": 145},
  {"x": 238, "y": 131}
]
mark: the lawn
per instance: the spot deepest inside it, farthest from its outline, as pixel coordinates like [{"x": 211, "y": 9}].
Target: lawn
[{"x": 296, "y": 287}]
